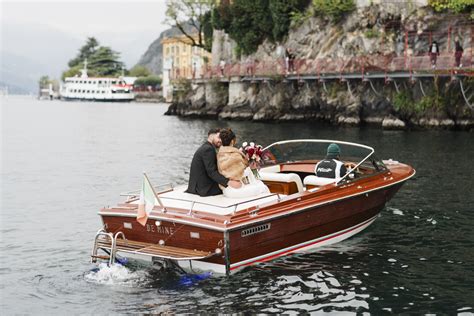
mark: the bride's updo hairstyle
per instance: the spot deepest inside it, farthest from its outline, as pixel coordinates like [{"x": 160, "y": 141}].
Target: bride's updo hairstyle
[{"x": 227, "y": 135}]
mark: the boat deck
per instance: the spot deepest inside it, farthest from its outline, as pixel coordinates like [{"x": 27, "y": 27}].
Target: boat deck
[
  {"x": 218, "y": 204},
  {"x": 153, "y": 250}
]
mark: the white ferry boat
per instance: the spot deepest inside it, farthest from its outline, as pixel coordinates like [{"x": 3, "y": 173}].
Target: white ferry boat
[{"x": 96, "y": 89}]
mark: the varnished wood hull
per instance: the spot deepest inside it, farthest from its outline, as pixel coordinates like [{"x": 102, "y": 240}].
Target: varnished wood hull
[{"x": 305, "y": 224}]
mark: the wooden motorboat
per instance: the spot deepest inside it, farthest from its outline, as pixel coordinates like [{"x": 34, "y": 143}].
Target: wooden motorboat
[{"x": 225, "y": 235}]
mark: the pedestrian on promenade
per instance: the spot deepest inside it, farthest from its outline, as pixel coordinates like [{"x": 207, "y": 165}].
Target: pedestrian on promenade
[
  {"x": 458, "y": 50},
  {"x": 249, "y": 66},
  {"x": 291, "y": 60},
  {"x": 222, "y": 67},
  {"x": 434, "y": 53}
]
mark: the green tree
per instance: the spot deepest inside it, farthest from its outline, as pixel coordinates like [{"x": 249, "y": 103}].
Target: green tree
[
  {"x": 85, "y": 52},
  {"x": 139, "y": 71},
  {"x": 281, "y": 12},
  {"x": 101, "y": 61},
  {"x": 189, "y": 17},
  {"x": 335, "y": 9},
  {"x": 105, "y": 62},
  {"x": 251, "y": 24},
  {"x": 147, "y": 81},
  {"x": 44, "y": 81},
  {"x": 457, "y": 6}
]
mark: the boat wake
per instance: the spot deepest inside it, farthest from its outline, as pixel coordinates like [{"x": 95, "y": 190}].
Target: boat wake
[{"x": 115, "y": 274}]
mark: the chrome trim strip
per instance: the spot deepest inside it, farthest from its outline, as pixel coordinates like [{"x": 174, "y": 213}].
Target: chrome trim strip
[{"x": 302, "y": 245}]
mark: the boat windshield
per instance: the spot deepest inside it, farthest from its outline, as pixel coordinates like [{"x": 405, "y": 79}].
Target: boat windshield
[{"x": 312, "y": 150}]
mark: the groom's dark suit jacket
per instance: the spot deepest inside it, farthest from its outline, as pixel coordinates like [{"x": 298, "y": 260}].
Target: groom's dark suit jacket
[{"x": 204, "y": 177}]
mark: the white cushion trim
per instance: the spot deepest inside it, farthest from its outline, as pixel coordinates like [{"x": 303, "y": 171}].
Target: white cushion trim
[
  {"x": 283, "y": 177},
  {"x": 314, "y": 180}
]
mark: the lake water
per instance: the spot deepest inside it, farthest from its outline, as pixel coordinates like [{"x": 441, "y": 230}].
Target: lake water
[{"x": 62, "y": 161}]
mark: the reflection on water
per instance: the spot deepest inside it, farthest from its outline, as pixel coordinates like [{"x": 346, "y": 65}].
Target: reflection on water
[{"x": 61, "y": 162}]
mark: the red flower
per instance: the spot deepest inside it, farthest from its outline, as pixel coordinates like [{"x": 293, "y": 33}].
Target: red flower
[{"x": 250, "y": 151}]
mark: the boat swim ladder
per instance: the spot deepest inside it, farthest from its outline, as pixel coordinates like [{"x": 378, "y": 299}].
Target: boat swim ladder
[{"x": 113, "y": 248}]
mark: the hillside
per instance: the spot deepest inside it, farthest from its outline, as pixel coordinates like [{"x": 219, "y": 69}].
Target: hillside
[
  {"x": 368, "y": 35},
  {"x": 153, "y": 57}
]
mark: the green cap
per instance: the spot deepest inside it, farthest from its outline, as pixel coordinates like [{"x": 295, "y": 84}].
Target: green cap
[{"x": 334, "y": 150}]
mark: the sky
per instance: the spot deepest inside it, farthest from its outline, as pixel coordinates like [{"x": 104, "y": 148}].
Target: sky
[
  {"x": 40, "y": 37},
  {"x": 128, "y": 26}
]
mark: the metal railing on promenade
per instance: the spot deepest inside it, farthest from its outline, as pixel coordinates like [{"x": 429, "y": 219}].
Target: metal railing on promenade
[{"x": 353, "y": 67}]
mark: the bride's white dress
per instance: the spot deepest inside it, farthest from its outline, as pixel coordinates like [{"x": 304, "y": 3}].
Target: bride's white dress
[{"x": 253, "y": 188}]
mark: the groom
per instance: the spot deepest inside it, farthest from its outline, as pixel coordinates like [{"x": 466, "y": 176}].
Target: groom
[{"x": 204, "y": 179}]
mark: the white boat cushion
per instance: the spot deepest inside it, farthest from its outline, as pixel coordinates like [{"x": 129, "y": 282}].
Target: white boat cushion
[
  {"x": 282, "y": 177},
  {"x": 319, "y": 181}
]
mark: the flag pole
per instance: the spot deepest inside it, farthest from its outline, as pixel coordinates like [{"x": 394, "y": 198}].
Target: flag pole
[{"x": 154, "y": 192}]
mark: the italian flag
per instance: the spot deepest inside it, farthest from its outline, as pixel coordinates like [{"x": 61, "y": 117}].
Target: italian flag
[{"x": 147, "y": 201}]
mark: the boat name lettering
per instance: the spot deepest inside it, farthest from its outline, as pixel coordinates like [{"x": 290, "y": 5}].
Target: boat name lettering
[{"x": 160, "y": 229}]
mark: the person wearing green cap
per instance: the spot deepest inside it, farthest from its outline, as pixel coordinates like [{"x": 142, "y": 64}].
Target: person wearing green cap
[{"x": 331, "y": 166}]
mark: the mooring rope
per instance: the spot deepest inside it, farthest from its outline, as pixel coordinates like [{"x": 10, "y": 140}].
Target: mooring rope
[
  {"x": 464, "y": 95},
  {"x": 421, "y": 88},
  {"x": 373, "y": 88}
]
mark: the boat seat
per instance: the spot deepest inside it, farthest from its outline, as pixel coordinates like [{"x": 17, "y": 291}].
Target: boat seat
[
  {"x": 315, "y": 181},
  {"x": 274, "y": 177}
]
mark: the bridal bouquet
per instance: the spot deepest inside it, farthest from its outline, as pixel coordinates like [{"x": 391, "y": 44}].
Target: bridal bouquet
[{"x": 254, "y": 154}]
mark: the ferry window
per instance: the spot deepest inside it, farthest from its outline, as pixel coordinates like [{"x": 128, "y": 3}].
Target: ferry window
[
  {"x": 114, "y": 82},
  {"x": 100, "y": 81},
  {"x": 88, "y": 91},
  {"x": 83, "y": 91},
  {"x": 103, "y": 91}
]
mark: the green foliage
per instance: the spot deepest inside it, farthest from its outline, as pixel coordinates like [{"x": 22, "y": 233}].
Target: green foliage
[
  {"x": 207, "y": 29},
  {"x": 105, "y": 62},
  {"x": 85, "y": 51},
  {"x": 222, "y": 16},
  {"x": 139, "y": 71},
  {"x": 281, "y": 12},
  {"x": 193, "y": 19},
  {"x": 102, "y": 61},
  {"x": 427, "y": 102},
  {"x": 44, "y": 81},
  {"x": 147, "y": 81},
  {"x": 182, "y": 87},
  {"x": 457, "y": 6},
  {"x": 335, "y": 9},
  {"x": 299, "y": 17},
  {"x": 250, "y": 22},
  {"x": 372, "y": 33},
  {"x": 404, "y": 103}
]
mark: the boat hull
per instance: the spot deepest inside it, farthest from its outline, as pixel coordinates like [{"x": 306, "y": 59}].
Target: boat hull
[
  {"x": 127, "y": 99},
  {"x": 263, "y": 239}
]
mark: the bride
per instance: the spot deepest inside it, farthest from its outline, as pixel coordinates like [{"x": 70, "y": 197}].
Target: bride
[{"x": 233, "y": 165}]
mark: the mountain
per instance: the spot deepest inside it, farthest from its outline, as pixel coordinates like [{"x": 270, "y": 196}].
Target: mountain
[{"x": 30, "y": 51}]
